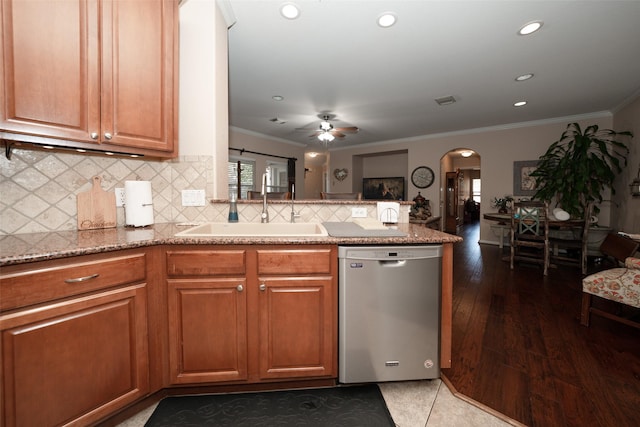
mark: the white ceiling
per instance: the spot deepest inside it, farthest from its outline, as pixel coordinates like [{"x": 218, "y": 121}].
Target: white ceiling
[{"x": 335, "y": 58}]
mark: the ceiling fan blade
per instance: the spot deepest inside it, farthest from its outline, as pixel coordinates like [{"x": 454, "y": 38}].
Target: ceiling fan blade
[
  {"x": 316, "y": 133},
  {"x": 337, "y": 134},
  {"x": 350, "y": 129}
]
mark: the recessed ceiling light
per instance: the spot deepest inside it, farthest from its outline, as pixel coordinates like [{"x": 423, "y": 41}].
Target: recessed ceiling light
[
  {"x": 520, "y": 103},
  {"x": 289, "y": 11},
  {"x": 530, "y": 27},
  {"x": 277, "y": 97},
  {"x": 524, "y": 77},
  {"x": 387, "y": 19}
]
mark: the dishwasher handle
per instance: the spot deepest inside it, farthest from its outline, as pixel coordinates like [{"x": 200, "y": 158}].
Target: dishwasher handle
[{"x": 392, "y": 263}]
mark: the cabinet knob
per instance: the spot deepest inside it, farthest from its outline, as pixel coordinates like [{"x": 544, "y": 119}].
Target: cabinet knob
[
  {"x": 94, "y": 135},
  {"x": 107, "y": 135},
  {"x": 263, "y": 287},
  {"x": 240, "y": 288}
]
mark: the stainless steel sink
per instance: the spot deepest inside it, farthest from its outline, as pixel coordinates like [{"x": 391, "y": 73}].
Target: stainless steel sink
[{"x": 248, "y": 229}]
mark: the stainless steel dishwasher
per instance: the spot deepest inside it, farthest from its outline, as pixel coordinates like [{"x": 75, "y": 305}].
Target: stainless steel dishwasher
[{"x": 389, "y": 313}]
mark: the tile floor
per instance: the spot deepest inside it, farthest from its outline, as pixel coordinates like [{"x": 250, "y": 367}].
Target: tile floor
[{"x": 427, "y": 403}]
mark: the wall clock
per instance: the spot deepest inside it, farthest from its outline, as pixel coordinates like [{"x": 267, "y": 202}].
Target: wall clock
[{"x": 422, "y": 177}]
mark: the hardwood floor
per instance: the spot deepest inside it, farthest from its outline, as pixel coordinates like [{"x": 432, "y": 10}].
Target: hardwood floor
[{"x": 519, "y": 348}]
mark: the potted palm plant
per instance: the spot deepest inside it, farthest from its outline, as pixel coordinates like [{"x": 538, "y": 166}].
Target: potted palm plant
[{"x": 577, "y": 168}]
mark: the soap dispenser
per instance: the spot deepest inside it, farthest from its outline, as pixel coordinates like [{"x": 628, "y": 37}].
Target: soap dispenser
[{"x": 233, "y": 209}]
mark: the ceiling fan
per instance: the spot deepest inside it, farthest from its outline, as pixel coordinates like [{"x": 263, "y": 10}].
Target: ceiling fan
[{"x": 327, "y": 132}]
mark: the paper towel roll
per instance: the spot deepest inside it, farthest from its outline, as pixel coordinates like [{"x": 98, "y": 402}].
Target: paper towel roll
[
  {"x": 388, "y": 212},
  {"x": 138, "y": 203}
]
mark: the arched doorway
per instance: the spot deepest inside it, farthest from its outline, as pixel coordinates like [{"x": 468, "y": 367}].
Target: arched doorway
[{"x": 461, "y": 188}]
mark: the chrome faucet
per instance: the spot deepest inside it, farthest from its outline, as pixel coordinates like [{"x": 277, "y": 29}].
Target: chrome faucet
[
  {"x": 294, "y": 215},
  {"x": 264, "y": 216}
]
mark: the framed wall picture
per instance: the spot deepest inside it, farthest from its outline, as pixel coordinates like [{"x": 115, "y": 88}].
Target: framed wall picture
[
  {"x": 523, "y": 183},
  {"x": 383, "y": 188}
]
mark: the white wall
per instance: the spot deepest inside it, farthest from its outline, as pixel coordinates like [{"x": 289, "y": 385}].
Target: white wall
[{"x": 204, "y": 115}]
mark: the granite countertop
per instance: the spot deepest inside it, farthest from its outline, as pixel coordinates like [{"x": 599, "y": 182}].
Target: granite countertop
[{"x": 31, "y": 247}]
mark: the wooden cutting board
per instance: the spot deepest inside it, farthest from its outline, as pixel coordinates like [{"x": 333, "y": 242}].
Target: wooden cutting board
[{"x": 96, "y": 207}]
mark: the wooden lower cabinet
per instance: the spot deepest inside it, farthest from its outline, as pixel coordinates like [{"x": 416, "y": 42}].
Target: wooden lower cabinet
[
  {"x": 76, "y": 361},
  {"x": 73, "y": 360},
  {"x": 296, "y": 331},
  {"x": 275, "y": 322},
  {"x": 207, "y": 330}
]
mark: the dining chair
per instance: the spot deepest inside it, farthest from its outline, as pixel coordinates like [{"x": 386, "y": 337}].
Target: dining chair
[
  {"x": 340, "y": 196},
  {"x": 530, "y": 233},
  {"x": 256, "y": 195},
  {"x": 572, "y": 251}
]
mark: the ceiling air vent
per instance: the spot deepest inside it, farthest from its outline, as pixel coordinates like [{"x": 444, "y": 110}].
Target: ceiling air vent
[{"x": 445, "y": 100}]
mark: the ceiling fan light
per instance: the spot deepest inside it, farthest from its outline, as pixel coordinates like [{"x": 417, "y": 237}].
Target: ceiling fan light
[
  {"x": 326, "y": 137},
  {"x": 325, "y": 125}
]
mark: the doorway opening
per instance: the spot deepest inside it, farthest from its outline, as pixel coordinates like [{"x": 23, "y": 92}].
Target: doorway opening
[{"x": 461, "y": 188}]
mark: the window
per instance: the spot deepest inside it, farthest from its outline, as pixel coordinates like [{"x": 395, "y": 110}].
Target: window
[
  {"x": 247, "y": 176},
  {"x": 475, "y": 189},
  {"x": 277, "y": 179}
]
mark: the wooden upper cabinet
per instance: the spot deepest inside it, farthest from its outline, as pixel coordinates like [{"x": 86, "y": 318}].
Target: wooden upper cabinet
[
  {"x": 51, "y": 75},
  {"x": 139, "y": 85},
  {"x": 98, "y": 73}
]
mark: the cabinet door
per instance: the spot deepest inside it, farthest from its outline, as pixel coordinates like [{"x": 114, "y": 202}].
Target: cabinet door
[
  {"x": 297, "y": 330},
  {"x": 80, "y": 359},
  {"x": 207, "y": 330},
  {"x": 139, "y": 73},
  {"x": 50, "y": 76}
]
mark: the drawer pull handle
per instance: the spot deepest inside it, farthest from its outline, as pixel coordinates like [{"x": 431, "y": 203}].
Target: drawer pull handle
[{"x": 82, "y": 279}]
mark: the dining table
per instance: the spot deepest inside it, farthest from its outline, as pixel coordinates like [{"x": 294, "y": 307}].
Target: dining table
[
  {"x": 505, "y": 219},
  {"x": 503, "y": 226}
]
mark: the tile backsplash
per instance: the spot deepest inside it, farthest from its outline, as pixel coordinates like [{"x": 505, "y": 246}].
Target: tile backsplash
[
  {"x": 38, "y": 188},
  {"x": 38, "y": 192}
]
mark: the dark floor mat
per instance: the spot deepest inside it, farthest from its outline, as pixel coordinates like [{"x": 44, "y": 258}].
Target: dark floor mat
[{"x": 337, "y": 406}]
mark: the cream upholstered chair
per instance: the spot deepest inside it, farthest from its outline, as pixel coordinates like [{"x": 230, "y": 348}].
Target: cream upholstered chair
[
  {"x": 530, "y": 233},
  {"x": 340, "y": 196},
  {"x": 620, "y": 284}
]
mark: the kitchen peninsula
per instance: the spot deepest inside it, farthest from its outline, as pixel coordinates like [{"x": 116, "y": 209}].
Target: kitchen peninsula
[{"x": 127, "y": 313}]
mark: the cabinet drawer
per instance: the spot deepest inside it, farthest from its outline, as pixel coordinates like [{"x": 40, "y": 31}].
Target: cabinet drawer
[
  {"x": 294, "y": 261},
  {"x": 206, "y": 263},
  {"x": 49, "y": 281}
]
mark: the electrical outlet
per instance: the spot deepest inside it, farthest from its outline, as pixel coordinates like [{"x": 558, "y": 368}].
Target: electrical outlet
[
  {"x": 358, "y": 212},
  {"x": 193, "y": 198},
  {"x": 119, "y": 197}
]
